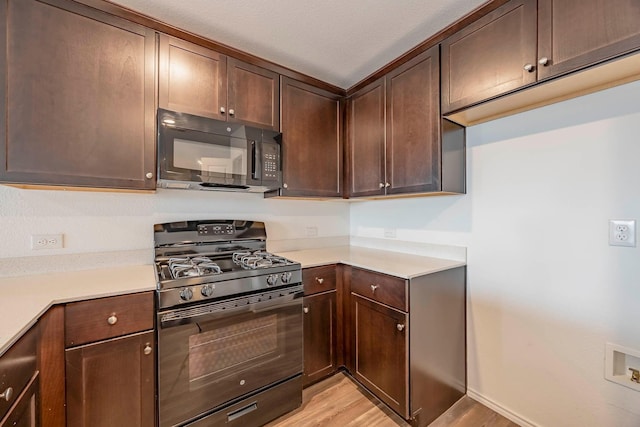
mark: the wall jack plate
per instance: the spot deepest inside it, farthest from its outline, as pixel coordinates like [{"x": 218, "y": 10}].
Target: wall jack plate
[{"x": 622, "y": 232}]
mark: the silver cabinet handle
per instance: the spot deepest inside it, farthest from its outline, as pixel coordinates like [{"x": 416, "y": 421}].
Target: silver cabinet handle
[
  {"x": 147, "y": 349},
  {"x": 112, "y": 320},
  {"x": 386, "y": 185},
  {"x": 373, "y": 288},
  {"x": 285, "y": 185},
  {"x": 231, "y": 111},
  {"x": 222, "y": 110},
  {"x": 7, "y": 394},
  {"x": 305, "y": 309},
  {"x": 149, "y": 175},
  {"x": 381, "y": 185},
  {"x": 529, "y": 67},
  {"x": 400, "y": 327},
  {"x": 320, "y": 280},
  {"x": 544, "y": 61}
]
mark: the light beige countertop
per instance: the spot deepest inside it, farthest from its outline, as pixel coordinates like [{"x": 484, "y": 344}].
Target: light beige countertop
[
  {"x": 397, "y": 264},
  {"x": 24, "y": 299}
]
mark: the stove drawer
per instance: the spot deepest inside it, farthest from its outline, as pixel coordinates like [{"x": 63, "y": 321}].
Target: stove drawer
[
  {"x": 319, "y": 279},
  {"x": 103, "y": 318},
  {"x": 380, "y": 287}
]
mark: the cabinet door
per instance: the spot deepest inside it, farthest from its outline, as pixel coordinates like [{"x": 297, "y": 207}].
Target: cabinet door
[
  {"x": 254, "y": 95},
  {"x": 24, "y": 413},
  {"x": 490, "y": 56},
  {"x": 577, "y": 33},
  {"x": 413, "y": 125},
  {"x": 380, "y": 351},
  {"x": 111, "y": 383},
  {"x": 311, "y": 140},
  {"x": 79, "y": 90},
  {"x": 366, "y": 141},
  {"x": 319, "y": 336},
  {"x": 193, "y": 79}
]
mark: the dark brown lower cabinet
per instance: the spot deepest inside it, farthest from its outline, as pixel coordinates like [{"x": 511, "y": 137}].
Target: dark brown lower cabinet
[
  {"x": 19, "y": 383},
  {"x": 111, "y": 383},
  {"x": 319, "y": 336},
  {"x": 381, "y": 351},
  {"x": 407, "y": 340},
  {"x": 24, "y": 412}
]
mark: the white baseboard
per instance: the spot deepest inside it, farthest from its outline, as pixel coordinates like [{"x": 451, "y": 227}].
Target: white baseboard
[{"x": 512, "y": 416}]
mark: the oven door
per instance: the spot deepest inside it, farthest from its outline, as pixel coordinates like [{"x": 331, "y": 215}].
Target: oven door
[{"x": 211, "y": 354}]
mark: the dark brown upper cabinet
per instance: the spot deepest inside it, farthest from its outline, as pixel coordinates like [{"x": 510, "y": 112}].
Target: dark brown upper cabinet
[
  {"x": 311, "y": 141},
  {"x": 79, "y": 91},
  {"x": 413, "y": 125},
  {"x": 573, "y": 34},
  {"x": 394, "y": 131},
  {"x": 494, "y": 55},
  {"x": 200, "y": 81},
  {"x": 366, "y": 140},
  {"x": 524, "y": 42}
]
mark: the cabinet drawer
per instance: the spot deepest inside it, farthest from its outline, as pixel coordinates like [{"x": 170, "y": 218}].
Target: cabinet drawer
[
  {"x": 94, "y": 320},
  {"x": 380, "y": 287},
  {"x": 319, "y": 279},
  {"x": 17, "y": 366}
]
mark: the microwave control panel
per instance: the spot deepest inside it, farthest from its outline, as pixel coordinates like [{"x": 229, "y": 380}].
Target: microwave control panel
[{"x": 270, "y": 161}]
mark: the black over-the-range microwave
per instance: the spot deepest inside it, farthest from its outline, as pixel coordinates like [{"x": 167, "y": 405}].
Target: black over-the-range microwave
[{"x": 199, "y": 153}]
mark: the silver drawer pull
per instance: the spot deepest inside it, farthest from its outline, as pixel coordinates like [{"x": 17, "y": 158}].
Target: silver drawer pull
[
  {"x": 320, "y": 280},
  {"x": 305, "y": 309},
  {"x": 7, "y": 394},
  {"x": 147, "y": 349},
  {"x": 400, "y": 327},
  {"x": 373, "y": 288},
  {"x": 112, "y": 320}
]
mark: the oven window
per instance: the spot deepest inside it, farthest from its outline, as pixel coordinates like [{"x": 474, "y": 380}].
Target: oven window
[
  {"x": 221, "y": 349},
  {"x": 224, "y": 158}
]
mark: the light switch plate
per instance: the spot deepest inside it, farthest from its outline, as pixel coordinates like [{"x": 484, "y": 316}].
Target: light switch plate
[{"x": 622, "y": 232}]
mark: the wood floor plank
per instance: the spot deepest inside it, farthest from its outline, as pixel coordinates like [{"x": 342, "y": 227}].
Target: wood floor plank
[{"x": 340, "y": 401}]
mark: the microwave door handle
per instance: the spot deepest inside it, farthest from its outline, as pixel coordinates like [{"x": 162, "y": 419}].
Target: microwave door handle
[{"x": 255, "y": 163}]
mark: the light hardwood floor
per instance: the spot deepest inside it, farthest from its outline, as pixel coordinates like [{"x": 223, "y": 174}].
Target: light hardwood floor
[{"x": 339, "y": 401}]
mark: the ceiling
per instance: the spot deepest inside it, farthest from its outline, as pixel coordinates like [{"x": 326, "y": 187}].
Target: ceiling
[{"x": 338, "y": 41}]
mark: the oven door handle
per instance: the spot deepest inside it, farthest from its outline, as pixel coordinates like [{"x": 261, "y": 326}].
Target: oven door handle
[{"x": 187, "y": 316}]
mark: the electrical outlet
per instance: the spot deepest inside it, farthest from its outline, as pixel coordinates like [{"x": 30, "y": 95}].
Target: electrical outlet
[
  {"x": 390, "y": 233},
  {"x": 622, "y": 232},
  {"x": 312, "y": 231},
  {"x": 47, "y": 241}
]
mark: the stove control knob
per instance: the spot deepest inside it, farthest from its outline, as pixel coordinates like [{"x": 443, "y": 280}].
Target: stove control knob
[
  {"x": 272, "y": 279},
  {"x": 286, "y": 277},
  {"x": 186, "y": 294},
  {"x": 207, "y": 290}
]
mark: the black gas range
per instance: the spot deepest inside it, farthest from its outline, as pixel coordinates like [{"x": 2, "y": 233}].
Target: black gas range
[
  {"x": 207, "y": 260},
  {"x": 229, "y": 325}
]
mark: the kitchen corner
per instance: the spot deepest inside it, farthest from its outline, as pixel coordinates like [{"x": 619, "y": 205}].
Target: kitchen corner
[
  {"x": 23, "y": 299},
  {"x": 29, "y": 301}
]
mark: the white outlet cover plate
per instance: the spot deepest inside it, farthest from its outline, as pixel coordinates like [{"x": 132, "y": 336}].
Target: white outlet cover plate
[
  {"x": 622, "y": 232},
  {"x": 47, "y": 241}
]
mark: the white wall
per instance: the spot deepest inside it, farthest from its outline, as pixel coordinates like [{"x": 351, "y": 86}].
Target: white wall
[
  {"x": 113, "y": 226},
  {"x": 546, "y": 292}
]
